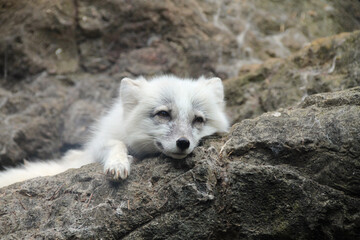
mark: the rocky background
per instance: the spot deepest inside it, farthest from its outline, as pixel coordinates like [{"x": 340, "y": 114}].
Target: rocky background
[{"x": 288, "y": 169}]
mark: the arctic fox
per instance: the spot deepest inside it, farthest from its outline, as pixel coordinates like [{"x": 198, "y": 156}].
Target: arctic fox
[{"x": 165, "y": 115}]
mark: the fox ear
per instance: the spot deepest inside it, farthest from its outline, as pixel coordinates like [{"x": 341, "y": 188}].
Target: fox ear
[
  {"x": 216, "y": 86},
  {"x": 130, "y": 91}
]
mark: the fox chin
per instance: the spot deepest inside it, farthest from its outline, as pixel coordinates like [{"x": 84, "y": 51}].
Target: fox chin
[{"x": 164, "y": 114}]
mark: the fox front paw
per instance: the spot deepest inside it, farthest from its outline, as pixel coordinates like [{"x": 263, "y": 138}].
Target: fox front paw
[{"x": 118, "y": 168}]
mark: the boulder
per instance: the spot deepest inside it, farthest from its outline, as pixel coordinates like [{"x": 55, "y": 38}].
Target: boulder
[
  {"x": 290, "y": 170},
  {"x": 44, "y": 118},
  {"x": 187, "y": 38},
  {"x": 61, "y": 61},
  {"x": 325, "y": 65},
  {"x": 289, "y": 174}
]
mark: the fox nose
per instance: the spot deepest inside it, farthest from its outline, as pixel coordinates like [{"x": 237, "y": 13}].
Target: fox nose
[{"x": 183, "y": 143}]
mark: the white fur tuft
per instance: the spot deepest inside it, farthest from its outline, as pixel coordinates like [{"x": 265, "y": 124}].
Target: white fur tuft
[{"x": 74, "y": 159}]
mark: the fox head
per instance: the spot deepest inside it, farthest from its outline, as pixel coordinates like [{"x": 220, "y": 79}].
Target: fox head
[{"x": 170, "y": 115}]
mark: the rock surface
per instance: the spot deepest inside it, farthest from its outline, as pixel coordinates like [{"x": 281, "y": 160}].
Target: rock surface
[
  {"x": 186, "y": 37},
  {"x": 325, "y": 65},
  {"x": 49, "y": 115},
  {"x": 290, "y": 174}
]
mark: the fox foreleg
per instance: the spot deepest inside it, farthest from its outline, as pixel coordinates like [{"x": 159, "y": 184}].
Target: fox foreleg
[{"x": 116, "y": 160}]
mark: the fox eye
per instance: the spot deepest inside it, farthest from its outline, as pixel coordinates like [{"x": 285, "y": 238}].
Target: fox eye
[
  {"x": 163, "y": 114},
  {"x": 199, "y": 120}
]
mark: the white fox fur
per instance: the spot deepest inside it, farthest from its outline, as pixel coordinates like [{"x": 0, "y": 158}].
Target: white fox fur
[{"x": 165, "y": 115}]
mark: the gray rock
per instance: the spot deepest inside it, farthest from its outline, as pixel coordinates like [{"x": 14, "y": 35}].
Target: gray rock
[
  {"x": 198, "y": 37},
  {"x": 325, "y": 65},
  {"x": 290, "y": 174},
  {"x": 44, "y": 118}
]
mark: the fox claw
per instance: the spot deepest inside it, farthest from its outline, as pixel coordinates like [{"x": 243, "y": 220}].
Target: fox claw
[
  {"x": 117, "y": 170},
  {"x": 117, "y": 163}
]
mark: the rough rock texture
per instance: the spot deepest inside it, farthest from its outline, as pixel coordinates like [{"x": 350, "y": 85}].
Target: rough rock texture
[
  {"x": 44, "y": 118},
  {"x": 290, "y": 174},
  {"x": 324, "y": 65},
  {"x": 184, "y": 37}
]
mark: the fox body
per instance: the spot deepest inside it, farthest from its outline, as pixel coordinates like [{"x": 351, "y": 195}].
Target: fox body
[{"x": 165, "y": 115}]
